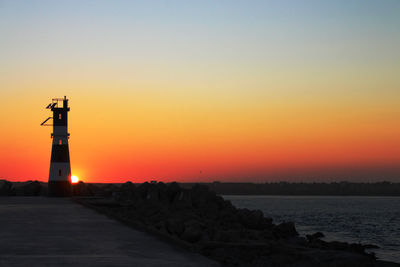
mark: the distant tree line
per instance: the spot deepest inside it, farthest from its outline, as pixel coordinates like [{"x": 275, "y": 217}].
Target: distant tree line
[{"x": 286, "y": 188}]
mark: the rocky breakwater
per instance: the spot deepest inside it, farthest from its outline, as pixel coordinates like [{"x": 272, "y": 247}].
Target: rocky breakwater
[
  {"x": 202, "y": 221},
  {"x": 29, "y": 188}
]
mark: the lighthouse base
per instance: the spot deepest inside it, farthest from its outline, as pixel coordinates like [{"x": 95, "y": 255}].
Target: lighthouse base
[{"x": 59, "y": 189}]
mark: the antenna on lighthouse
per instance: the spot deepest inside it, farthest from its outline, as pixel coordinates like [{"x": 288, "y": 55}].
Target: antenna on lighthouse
[{"x": 60, "y": 168}]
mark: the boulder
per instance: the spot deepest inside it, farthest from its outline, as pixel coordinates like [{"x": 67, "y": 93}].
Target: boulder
[
  {"x": 183, "y": 199},
  {"x": 285, "y": 230},
  {"x": 228, "y": 215},
  {"x": 267, "y": 223},
  {"x": 317, "y": 235},
  {"x": 80, "y": 189},
  {"x": 201, "y": 194},
  {"x": 253, "y": 219},
  {"x": 233, "y": 236},
  {"x": 152, "y": 193},
  {"x": 125, "y": 193},
  {"x": 162, "y": 193},
  {"x": 83, "y": 189},
  {"x": 175, "y": 227},
  {"x": 142, "y": 190},
  {"x": 193, "y": 231},
  {"x": 297, "y": 240},
  {"x": 6, "y": 188},
  {"x": 110, "y": 189},
  {"x": 173, "y": 189},
  {"x": 210, "y": 210},
  {"x": 33, "y": 188}
]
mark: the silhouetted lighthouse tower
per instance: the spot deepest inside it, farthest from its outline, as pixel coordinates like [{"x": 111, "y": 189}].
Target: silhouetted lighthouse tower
[{"x": 60, "y": 167}]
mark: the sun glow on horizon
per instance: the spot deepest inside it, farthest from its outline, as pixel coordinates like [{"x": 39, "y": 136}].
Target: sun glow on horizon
[{"x": 74, "y": 179}]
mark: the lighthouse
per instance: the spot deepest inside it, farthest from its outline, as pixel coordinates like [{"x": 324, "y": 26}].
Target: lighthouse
[{"x": 59, "y": 184}]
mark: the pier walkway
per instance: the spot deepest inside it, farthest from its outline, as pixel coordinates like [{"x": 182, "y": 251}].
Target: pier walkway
[{"x": 40, "y": 231}]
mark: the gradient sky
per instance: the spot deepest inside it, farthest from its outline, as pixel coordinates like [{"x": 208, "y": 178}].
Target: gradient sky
[{"x": 204, "y": 90}]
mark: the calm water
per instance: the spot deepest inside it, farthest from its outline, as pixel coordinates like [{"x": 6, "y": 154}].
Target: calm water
[{"x": 370, "y": 220}]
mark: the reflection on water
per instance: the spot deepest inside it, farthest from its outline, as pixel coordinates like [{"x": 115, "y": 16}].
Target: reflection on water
[{"x": 369, "y": 220}]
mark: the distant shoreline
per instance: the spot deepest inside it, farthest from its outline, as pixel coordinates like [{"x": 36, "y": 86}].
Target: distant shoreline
[
  {"x": 376, "y": 189},
  {"x": 304, "y": 189}
]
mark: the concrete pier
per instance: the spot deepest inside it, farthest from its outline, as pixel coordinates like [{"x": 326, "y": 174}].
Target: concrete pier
[{"x": 39, "y": 231}]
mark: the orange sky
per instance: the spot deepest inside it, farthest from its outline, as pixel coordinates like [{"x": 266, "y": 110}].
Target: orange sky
[
  {"x": 256, "y": 93},
  {"x": 123, "y": 138}
]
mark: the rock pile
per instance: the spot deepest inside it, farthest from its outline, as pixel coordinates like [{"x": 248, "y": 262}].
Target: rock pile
[
  {"x": 203, "y": 221},
  {"x": 6, "y": 188},
  {"x": 29, "y": 188}
]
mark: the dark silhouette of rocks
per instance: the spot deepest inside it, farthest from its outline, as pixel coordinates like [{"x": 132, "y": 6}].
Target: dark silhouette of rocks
[
  {"x": 6, "y": 188},
  {"x": 198, "y": 219},
  {"x": 29, "y": 188},
  {"x": 314, "y": 236}
]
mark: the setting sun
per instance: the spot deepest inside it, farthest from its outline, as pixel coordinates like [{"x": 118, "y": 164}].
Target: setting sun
[{"x": 74, "y": 179}]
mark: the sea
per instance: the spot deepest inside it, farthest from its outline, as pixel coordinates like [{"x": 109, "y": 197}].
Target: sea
[{"x": 355, "y": 219}]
